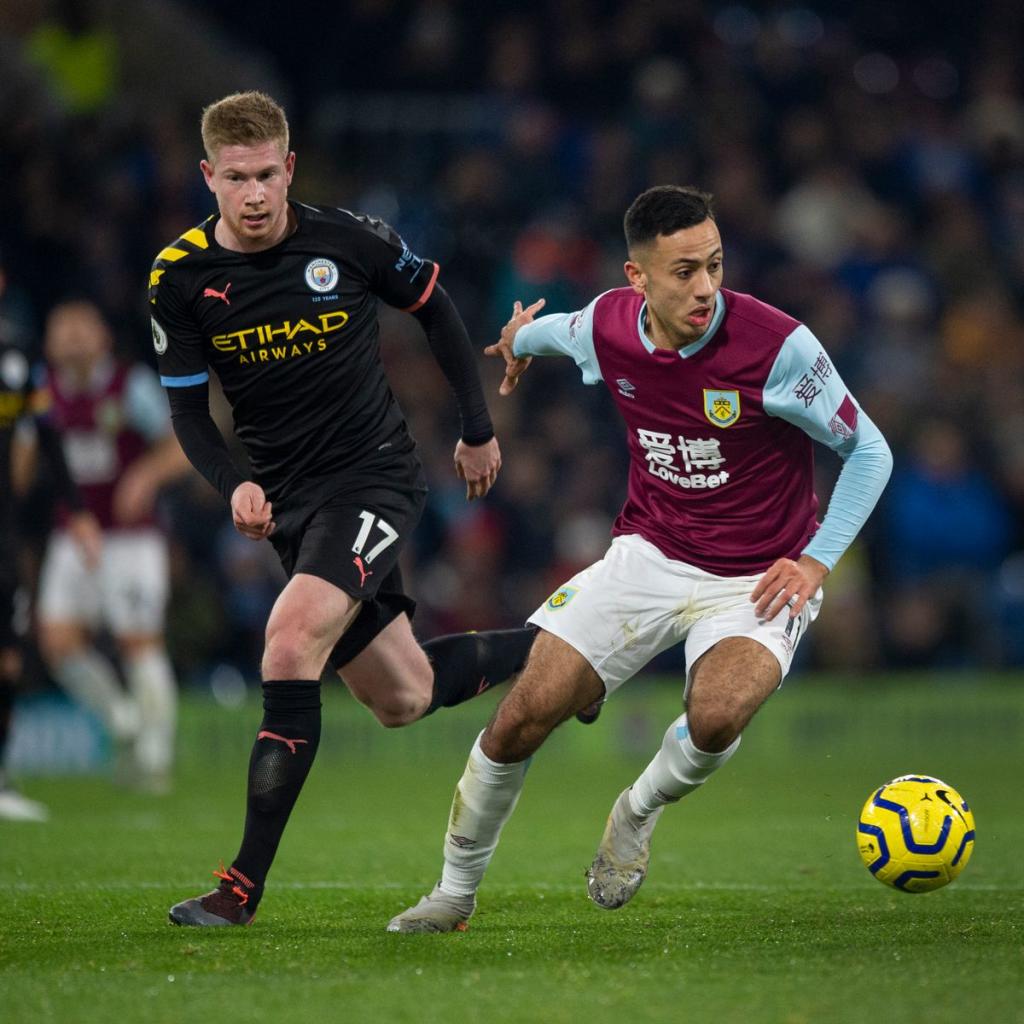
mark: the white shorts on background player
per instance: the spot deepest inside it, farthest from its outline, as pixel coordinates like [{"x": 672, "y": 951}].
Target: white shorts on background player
[
  {"x": 127, "y": 592},
  {"x": 635, "y": 603}
]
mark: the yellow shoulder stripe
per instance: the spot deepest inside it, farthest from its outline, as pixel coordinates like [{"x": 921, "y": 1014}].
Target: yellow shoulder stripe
[
  {"x": 171, "y": 254},
  {"x": 194, "y": 238},
  {"x": 197, "y": 237}
]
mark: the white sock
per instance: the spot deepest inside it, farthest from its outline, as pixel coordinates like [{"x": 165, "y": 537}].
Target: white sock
[
  {"x": 484, "y": 800},
  {"x": 90, "y": 679},
  {"x": 677, "y": 769},
  {"x": 151, "y": 680}
]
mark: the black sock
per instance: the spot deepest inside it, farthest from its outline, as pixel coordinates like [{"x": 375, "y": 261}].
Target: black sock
[
  {"x": 281, "y": 758},
  {"x": 467, "y": 664}
]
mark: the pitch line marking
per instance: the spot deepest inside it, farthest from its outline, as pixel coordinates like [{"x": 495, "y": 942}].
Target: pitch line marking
[{"x": 674, "y": 887}]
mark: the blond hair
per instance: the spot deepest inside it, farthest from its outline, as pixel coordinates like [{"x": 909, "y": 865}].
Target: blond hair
[{"x": 243, "y": 119}]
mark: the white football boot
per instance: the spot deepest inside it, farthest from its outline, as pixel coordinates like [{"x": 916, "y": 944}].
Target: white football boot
[
  {"x": 620, "y": 865},
  {"x": 436, "y": 912},
  {"x": 16, "y": 807}
]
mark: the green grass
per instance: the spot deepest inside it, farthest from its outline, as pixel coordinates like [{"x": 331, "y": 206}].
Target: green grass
[{"x": 757, "y": 907}]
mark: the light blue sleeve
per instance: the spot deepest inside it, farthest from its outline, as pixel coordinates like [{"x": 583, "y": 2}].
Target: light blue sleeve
[
  {"x": 563, "y": 334},
  {"x": 805, "y": 389},
  {"x": 146, "y": 404}
]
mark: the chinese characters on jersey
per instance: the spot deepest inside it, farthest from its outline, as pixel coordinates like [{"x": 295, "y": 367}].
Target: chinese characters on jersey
[{"x": 677, "y": 459}]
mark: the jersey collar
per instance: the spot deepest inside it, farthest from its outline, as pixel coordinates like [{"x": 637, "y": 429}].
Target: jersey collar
[
  {"x": 695, "y": 347},
  {"x": 297, "y": 208}
]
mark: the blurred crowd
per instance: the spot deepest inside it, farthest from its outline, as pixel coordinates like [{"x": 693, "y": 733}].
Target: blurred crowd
[{"x": 868, "y": 166}]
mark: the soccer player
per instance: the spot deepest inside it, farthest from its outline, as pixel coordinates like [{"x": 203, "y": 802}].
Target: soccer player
[
  {"x": 279, "y": 299},
  {"x": 22, "y": 406},
  {"x": 717, "y": 545},
  {"x": 120, "y": 449}
]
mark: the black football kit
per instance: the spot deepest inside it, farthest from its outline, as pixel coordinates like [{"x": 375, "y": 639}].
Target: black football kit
[
  {"x": 21, "y": 400},
  {"x": 292, "y": 334}
]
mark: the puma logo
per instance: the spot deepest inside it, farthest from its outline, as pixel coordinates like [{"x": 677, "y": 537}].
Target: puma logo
[
  {"x": 212, "y": 293},
  {"x": 363, "y": 573},
  {"x": 292, "y": 745}
]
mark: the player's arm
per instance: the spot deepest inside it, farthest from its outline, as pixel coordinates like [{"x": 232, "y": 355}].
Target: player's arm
[
  {"x": 805, "y": 389},
  {"x": 163, "y": 462},
  {"x": 205, "y": 448},
  {"x": 409, "y": 283},
  {"x": 82, "y": 525},
  {"x": 558, "y": 334},
  {"x": 39, "y": 427},
  {"x": 38, "y": 433},
  {"x": 203, "y": 444},
  {"x": 183, "y": 372},
  {"x": 477, "y": 456}
]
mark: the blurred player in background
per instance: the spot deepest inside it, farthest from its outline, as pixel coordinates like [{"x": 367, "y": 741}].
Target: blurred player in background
[
  {"x": 116, "y": 432},
  {"x": 22, "y": 429},
  {"x": 717, "y": 546},
  {"x": 279, "y": 299}
]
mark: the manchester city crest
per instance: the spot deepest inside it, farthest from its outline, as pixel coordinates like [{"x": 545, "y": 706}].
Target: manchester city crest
[
  {"x": 321, "y": 274},
  {"x": 722, "y": 407}
]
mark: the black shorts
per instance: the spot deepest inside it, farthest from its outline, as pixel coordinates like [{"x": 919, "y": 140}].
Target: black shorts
[{"x": 353, "y": 540}]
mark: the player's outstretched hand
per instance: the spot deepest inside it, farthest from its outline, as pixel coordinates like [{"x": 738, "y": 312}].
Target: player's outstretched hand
[
  {"x": 503, "y": 346},
  {"x": 787, "y": 583},
  {"x": 251, "y": 512},
  {"x": 478, "y": 465}
]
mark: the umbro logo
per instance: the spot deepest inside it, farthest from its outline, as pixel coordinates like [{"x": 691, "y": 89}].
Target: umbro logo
[
  {"x": 626, "y": 388},
  {"x": 212, "y": 293}
]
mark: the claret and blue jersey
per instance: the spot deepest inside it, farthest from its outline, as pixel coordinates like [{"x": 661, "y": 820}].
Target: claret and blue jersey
[{"x": 720, "y": 433}]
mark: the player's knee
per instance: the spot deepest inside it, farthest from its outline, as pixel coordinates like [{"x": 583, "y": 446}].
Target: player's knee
[
  {"x": 400, "y": 709},
  {"x": 289, "y": 654},
  {"x": 57, "y": 645},
  {"x": 712, "y": 731}
]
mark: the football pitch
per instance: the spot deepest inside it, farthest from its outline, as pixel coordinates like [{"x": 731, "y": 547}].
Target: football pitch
[{"x": 757, "y": 907}]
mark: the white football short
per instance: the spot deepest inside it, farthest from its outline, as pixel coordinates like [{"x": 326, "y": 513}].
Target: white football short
[
  {"x": 127, "y": 592},
  {"x": 635, "y": 603}
]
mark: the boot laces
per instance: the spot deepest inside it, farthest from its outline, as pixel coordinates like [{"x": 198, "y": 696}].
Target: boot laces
[{"x": 230, "y": 885}]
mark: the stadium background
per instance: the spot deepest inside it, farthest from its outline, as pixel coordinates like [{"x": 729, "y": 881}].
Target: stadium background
[
  {"x": 868, "y": 164},
  {"x": 868, "y": 160}
]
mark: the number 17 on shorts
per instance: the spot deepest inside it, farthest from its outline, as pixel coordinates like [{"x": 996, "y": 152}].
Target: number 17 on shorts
[{"x": 377, "y": 532}]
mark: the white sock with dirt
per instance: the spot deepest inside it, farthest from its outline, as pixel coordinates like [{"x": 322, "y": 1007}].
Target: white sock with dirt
[
  {"x": 151, "y": 680},
  {"x": 677, "y": 769},
  {"x": 484, "y": 800},
  {"x": 90, "y": 678}
]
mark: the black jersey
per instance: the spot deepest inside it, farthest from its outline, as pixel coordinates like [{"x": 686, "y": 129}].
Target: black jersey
[
  {"x": 24, "y": 395},
  {"x": 16, "y": 401},
  {"x": 292, "y": 334}
]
